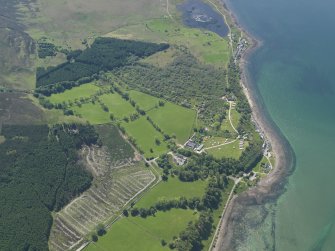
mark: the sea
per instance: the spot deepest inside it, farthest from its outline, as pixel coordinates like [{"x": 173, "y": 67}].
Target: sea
[{"x": 293, "y": 72}]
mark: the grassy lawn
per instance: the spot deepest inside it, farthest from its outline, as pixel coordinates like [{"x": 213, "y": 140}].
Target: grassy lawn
[
  {"x": 258, "y": 168},
  {"x": 144, "y": 134},
  {"x": 92, "y": 113},
  {"x": 214, "y": 141},
  {"x": 174, "y": 119},
  {"x": 82, "y": 91},
  {"x": 229, "y": 151},
  {"x": 171, "y": 189},
  {"x": 143, "y": 100},
  {"x": 136, "y": 233},
  {"x": 117, "y": 105}
]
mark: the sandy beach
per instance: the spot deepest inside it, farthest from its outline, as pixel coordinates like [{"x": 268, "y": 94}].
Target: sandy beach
[{"x": 271, "y": 186}]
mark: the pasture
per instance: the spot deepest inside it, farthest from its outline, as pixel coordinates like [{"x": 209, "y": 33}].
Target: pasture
[
  {"x": 144, "y": 101},
  {"x": 145, "y": 135},
  {"x": 174, "y": 119},
  {"x": 117, "y": 105},
  {"x": 136, "y": 233},
  {"x": 93, "y": 113},
  {"x": 82, "y": 91},
  {"x": 171, "y": 189}
]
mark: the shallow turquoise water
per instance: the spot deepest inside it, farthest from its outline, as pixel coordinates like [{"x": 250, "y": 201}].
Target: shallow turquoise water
[{"x": 295, "y": 74}]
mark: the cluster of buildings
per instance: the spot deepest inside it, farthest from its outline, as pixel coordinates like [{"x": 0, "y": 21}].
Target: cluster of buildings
[
  {"x": 179, "y": 159},
  {"x": 241, "y": 46},
  {"x": 194, "y": 146}
]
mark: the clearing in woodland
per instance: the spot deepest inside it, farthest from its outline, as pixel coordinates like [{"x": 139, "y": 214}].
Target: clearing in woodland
[{"x": 83, "y": 91}]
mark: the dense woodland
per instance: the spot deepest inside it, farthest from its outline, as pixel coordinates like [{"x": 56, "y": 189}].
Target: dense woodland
[
  {"x": 243, "y": 106},
  {"x": 39, "y": 173},
  {"x": 185, "y": 81},
  {"x": 203, "y": 166},
  {"x": 104, "y": 54},
  {"x": 45, "y": 49}
]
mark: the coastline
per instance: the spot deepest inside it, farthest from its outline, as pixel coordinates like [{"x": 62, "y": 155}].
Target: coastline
[{"x": 273, "y": 185}]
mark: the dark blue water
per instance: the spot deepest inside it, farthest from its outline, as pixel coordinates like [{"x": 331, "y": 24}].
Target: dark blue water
[
  {"x": 197, "y": 14},
  {"x": 294, "y": 71}
]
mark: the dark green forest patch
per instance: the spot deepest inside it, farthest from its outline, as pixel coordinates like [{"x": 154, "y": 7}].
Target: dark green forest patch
[
  {"x": 104, "y": 54},
  {"x": 39, "y": 173}
]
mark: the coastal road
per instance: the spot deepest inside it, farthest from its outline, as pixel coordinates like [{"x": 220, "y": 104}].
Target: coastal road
[{"x": 212, "y": 247}]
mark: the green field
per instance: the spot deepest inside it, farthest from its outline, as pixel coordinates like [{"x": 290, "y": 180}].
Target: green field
[
  {"x": 214, "y": 141},
  {"x": 172, "y": 189},
  {"x": 205, "y": 45},
  {"x": 136, "y": 233},
  {"x": 174, "y": 119},
  {"x": 82, "y": 91},
  {"x": 117, "y": 105},
  {"x": 92, "y": 113},
  {"x": 228, "y": 151},
  {"x": 143, "y": 100},
  {"x": 145, "y": 134}
]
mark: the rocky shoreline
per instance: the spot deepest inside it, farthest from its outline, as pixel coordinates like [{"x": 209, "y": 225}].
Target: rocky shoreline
[{"x": 232, "y": 230}]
